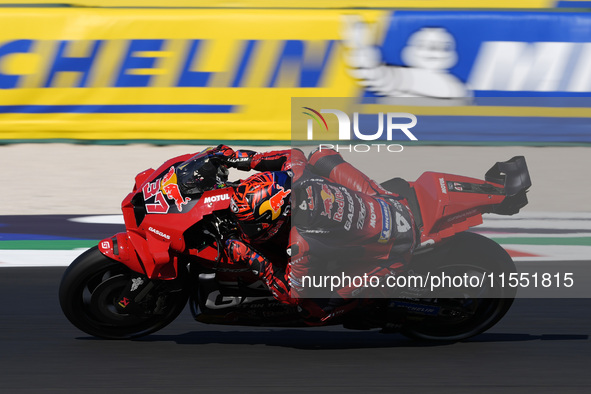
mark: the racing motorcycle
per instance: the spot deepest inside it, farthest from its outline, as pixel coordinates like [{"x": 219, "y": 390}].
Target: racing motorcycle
[{"x": 138, "y": 281}]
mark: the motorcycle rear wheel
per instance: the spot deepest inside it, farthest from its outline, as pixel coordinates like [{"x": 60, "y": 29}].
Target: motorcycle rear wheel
[
  {"x": 88, "y": 293},
  {"x": 477, "y": 255}
]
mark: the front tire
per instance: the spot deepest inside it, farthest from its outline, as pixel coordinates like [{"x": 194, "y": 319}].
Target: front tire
[{"x": 89, "y": 290}]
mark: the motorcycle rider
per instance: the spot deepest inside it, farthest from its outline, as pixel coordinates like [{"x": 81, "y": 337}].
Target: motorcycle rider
[
  {"x": 315, "y": 208},
  {"x": 261, "y": 205}
]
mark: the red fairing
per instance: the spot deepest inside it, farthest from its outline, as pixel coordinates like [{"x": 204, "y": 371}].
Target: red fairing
[
  {"x": 120, "y": 248},
  {"x": 447, "y": 211},
  {"x": 153, "y": 246}
]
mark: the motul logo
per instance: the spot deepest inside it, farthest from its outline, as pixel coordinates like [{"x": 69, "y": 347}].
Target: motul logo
[{"x": 220, "y": 197}]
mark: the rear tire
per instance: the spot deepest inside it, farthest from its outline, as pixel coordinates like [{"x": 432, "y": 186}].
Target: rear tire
[
  {"x": 89, "y": 290},
  {"x": 474, "y": 311}
]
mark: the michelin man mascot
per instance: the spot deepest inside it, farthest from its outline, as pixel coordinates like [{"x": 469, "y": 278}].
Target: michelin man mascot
[{"x": 428, "y": 55}]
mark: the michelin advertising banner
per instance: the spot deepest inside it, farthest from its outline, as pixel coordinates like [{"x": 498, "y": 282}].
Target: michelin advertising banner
[
  {"x": 293, "y": 4},
  {"x": 185, "y": 75},
  {"x": 482, "y": 76}
]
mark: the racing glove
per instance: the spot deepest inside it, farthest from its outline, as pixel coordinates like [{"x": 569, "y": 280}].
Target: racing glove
[
  {"x": 272, "y": 276},
  {"x": 240, "y": 159}
]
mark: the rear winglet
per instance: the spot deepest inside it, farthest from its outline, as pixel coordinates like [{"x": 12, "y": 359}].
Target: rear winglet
[{"x": 514, "y": 176}]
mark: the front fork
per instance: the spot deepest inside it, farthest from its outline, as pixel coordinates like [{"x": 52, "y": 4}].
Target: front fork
[
  {"x": 136, "y": 290},
  {"x": 144, "y": 296}
]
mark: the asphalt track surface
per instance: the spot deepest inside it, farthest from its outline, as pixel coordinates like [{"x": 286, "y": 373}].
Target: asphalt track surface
[{"x": 541, "y": 346}]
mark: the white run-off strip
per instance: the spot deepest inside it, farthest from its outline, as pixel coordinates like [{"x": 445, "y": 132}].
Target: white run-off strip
[
  {"x": 551, "y": 252},
  {"x": 38, "y": 258},
  {"x": 540, "y": 221},
  {"x": 99, "y": 219}
]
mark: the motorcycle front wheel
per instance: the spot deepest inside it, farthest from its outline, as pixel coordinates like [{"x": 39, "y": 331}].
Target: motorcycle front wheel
[{"x": 89, "y": 291}]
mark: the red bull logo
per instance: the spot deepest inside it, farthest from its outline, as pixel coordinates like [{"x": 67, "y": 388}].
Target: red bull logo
[
  {"x": 327, "y": 201},
  {"x": 171, "y": 189},
  {"x": 274, "y": 203},
  {"x": 167, "y": 186}
]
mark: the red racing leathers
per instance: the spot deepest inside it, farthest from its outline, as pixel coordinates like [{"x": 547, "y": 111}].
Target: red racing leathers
[{"x": 338, "y": 213}]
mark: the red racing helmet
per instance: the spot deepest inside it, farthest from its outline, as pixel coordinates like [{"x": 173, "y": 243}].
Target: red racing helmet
[{"x": 261, "y": 204}]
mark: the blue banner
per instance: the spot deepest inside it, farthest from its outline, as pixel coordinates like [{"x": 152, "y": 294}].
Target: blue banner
[
  {"x": 484, "y": 62},
  {"x": 478, "y": 53}
]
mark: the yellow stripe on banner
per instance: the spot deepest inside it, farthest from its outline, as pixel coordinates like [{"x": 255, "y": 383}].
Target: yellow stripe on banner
[
  {"x": 170, "y": 63},
  {"x": 301, "y": 4},
  {"x": 542, "y": 112}
]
